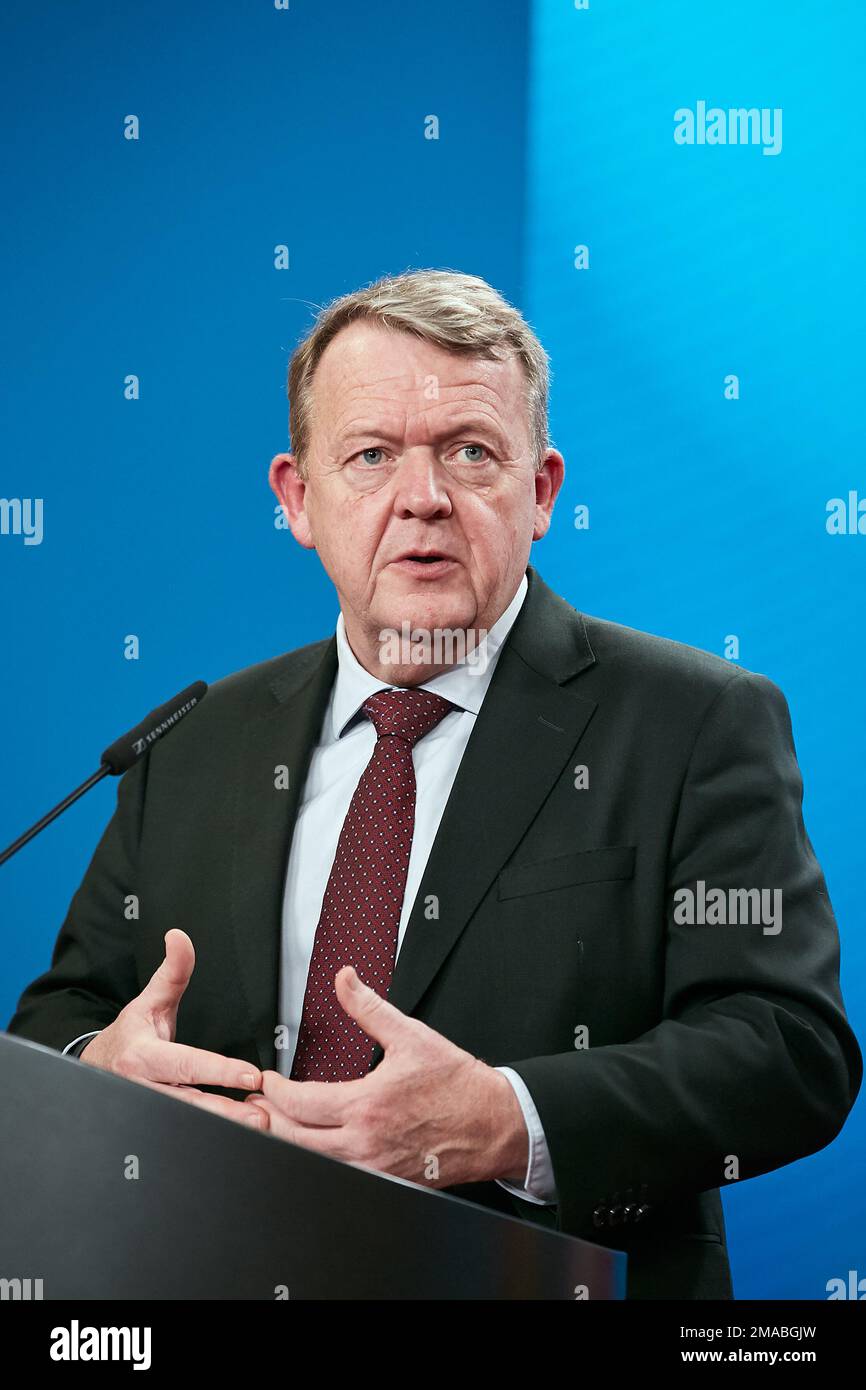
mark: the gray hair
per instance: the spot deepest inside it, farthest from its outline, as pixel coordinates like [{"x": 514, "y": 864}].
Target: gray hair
[{"x": 458, "y": 312}]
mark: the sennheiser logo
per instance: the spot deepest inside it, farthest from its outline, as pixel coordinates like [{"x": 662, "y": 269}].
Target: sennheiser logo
[
  {"x": 75, "y": 1343},
  {"x": 159, "y": 729},
  {"x": 736, "y": 126}
]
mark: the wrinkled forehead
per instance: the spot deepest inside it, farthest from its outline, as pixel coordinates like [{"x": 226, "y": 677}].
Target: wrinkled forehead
[{"x": 391, "y": 374}]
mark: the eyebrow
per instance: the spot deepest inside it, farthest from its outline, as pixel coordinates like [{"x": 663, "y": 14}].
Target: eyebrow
[{"x": 470, "y": 425}]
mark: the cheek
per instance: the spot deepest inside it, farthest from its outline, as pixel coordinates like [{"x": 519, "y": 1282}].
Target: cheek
[
  {"x": 492, "y": 531},
  {"x": 340, "y": 529}
]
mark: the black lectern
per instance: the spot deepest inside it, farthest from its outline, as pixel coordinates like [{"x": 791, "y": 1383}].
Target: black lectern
[{"x": 109, "y": 1190}]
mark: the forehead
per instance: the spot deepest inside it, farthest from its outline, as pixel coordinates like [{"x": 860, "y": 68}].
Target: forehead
[{"x": 367, "y": 365}]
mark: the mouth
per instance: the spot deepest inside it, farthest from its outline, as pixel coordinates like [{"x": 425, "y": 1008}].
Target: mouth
[{"x": 424, "y": 564}]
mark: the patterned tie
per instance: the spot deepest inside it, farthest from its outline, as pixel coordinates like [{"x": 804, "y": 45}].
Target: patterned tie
[{"x": 363, "y": 901}]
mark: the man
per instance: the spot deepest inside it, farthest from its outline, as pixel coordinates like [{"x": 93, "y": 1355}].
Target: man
[{"x": 492, "y": 894}]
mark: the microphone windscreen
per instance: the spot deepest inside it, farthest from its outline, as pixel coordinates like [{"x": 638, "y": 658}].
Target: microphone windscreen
[{"x": 127, "y": 749}]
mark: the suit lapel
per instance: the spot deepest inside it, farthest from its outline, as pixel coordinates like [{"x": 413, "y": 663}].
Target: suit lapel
[{"x": 285, "y": 735}]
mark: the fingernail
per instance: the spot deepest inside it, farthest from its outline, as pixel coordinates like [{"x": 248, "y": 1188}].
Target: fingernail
[
  {"x": 248, "y": 1080},
  {"x": 255, "y": 1118}
]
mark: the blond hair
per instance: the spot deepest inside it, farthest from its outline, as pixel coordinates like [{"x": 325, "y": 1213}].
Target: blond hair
[{"x": 460, "y": 313}]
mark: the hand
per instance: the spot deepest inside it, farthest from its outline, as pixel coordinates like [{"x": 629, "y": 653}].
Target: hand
[
  {"x": 430, "y": 1112},
  {"x": 140, "y": 1046}
]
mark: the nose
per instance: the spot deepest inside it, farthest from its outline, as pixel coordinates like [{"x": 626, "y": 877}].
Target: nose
[{"x": 421, "y": 486}]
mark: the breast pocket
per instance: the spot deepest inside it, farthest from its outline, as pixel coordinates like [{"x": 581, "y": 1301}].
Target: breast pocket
[{"x": 567, "y": 871}]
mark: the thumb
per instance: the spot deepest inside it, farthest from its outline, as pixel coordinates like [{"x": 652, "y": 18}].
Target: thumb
[
  {"x": 380, "y": 1020},
  {"x": 164, "y": 989}
]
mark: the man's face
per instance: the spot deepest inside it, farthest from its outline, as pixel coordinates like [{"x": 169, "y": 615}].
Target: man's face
[{"x": 422, "y": 498}]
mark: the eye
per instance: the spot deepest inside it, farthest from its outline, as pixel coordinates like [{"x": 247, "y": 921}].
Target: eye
[
  {"x": 362, "y": 457},
  {"x": 480, "y": 447}
]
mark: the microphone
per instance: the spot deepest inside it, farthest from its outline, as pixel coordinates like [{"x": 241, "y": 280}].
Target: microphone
[{"x": 120, "y": 755}]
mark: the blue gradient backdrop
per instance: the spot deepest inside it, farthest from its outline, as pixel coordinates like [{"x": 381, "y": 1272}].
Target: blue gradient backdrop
[{"x": 306, "y": 127}]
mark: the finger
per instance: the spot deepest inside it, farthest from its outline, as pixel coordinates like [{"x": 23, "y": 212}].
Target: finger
[
  {"x": 166, "y": 985},
  {"x": 323, "y": 1141},
  {"x": 217, "y": 1105},
  {"x": 180, "y": 1065},
  {"x": 380, "y": 1020},
  {"x": 316, "y": 1103}
]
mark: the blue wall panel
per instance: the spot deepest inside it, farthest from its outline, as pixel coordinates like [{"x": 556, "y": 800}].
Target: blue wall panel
[{"x": 306, "y": 127}]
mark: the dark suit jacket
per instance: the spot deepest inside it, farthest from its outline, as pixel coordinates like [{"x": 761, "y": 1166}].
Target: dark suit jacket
[{"x": 555, "y": 913}]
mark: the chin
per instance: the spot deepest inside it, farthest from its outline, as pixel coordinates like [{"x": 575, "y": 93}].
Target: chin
[
  {"x": 426, "y": 605},
  {"x": 428, "y": 613}
]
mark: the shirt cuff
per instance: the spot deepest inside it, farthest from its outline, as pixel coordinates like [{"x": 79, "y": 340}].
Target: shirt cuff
[
  {"x": 83, "y": 1037},
  {"x": 538, "y": 1185}
]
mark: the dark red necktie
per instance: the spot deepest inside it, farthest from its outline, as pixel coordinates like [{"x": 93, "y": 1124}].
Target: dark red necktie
[{"x": 363, "y": 901}]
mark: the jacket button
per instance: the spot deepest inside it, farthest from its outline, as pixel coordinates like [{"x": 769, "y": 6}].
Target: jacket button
[
  {"x": 599, "y": 1215},
  {"x": 643, "y": 1211}
]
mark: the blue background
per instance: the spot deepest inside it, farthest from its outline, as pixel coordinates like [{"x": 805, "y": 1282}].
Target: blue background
[{"x": 306, "y": 127}]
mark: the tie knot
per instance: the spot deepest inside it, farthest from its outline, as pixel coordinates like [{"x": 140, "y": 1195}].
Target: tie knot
[{"x": 407, "y": 714}]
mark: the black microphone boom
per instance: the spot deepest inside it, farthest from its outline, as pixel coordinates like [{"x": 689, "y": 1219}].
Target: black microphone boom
[{"x": 122, "y": 753}]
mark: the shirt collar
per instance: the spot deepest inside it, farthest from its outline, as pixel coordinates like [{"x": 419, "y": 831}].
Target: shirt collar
[{"x": 464, "y": 684}]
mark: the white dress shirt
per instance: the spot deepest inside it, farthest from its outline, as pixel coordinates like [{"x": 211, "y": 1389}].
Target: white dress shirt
[{"x": 344, "y": 749}]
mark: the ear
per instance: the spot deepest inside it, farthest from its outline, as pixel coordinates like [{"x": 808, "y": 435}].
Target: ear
[
  {"x": 290, "y": 491},
  {"x": 548, "y": 481}
]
